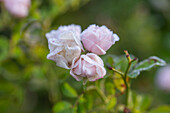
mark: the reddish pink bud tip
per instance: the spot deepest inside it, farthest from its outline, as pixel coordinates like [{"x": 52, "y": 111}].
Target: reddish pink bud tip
[{"x": 109, "y": 66}]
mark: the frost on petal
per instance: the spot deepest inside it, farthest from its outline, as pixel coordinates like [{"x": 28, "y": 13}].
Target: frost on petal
[
  {"x": 54, "y": 44},
  {"x": 76, "y": 70},
  {"x": 72, "y": 52},
  {"x": 78, "y": 78},
  {"x": 96, "y": 58},
  {"x": 61, "y": 62},
  {"x": 115, "y": 38},
  {"x": 98, "y": 50},
  {"x": 52, "y": 55},
  {"x": 70, "y": 39},
  {"x": 65, "y": 42},
  {"x": 88, "y": 66},
  {"x": 76, "y": 29},
  {"x": 59, "y": 59}
]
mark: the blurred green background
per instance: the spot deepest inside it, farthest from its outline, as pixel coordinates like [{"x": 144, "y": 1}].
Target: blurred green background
[{"x": 29, "y": 83}]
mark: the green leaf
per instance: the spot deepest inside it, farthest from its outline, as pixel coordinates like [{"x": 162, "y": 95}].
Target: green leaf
[
  {"x": 68, "y": 91},
  {"x": 118, "y": 82},
  {"x": 110, "y": 88},
  {"x": 62, "y": 107},
  {"x": 146, "y": 65},
  {"x": 139, "y": 103},
  {"x": 144, "y": 102},
  {"x": 3, "y": 48},
  {"x": 111, "y": 104},
  {"x": 81, "y": 99},
  {"x": 161, "y": 109},
  {"x": 89, "y": 101},
  {"x": 119, "y": 63}
]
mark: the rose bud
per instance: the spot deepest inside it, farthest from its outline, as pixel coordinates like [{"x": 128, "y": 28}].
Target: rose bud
[
  {"x": 64, "y": 45},
  {"x": 98, "y": 39},
  {"x": 18, "y": 8},
  {"x": 89, "y": 66}
]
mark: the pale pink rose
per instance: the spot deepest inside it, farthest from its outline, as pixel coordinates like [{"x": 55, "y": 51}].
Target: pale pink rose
[
  {"x": 89, "y": 66},
  {"x": 98, "y": 39},
  {"x": 74, "y": 28},
  {"x": 163, "y": 78},
  {"x": 64, "y": 44},
  {"x": 18, "y": 8}
]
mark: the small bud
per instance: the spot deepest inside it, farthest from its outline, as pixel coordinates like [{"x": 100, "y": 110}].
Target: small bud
[
  {"x": 127, "y": 56},
  {"x": 155, "y": 60},
  {"x": 135, "y": 58},
  {"x": 109, "y": 66},
  {"x": 123, "y": 85}
]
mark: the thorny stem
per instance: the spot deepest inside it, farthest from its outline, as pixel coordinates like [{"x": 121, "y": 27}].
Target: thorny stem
[
  {"x": 124, "y": 75},
  {"x": 126, "y": 84}
]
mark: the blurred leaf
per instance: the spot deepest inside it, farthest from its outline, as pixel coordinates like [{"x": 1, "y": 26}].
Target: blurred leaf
[
  {"x": 81, "y": 99},
  {"x": 11, "y": 97},
  {"x": 161, "y": 109},
  {"x": 111, "y": 104},
  {"x": 146, "y": 65},
  {"x": 139, "y": 103},
  {"x": 81, "y": 108},
  {"x": 90, "y": 101},
  {"x": 110, "y": 88},
  {"x": 144, "y": 102},
  {"x": 13, "y": 70},
  {"x": 109, "y": 59},
  {"x": 119, "y": 83},
  {"x": 62, "y": 107},
  {"x": 121, "y": 63},
  {"x": 27, "y": 25},
  {"x": 3, "y": 48},
  {"x": 68, "y": 91}
]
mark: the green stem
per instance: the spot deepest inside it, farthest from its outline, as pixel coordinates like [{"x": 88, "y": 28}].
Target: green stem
[
  {"x": 126, "y": 84},
  {"x": 77, "y": 101},
  {"x": 125, "y": 76},
  {"x": 117, "y": 71}
]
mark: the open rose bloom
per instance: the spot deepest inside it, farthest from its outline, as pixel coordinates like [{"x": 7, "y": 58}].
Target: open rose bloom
[
  {"x": 89, "y": 66},
  {"x": 65, "y": 49},
  {"x": 98, "y": 39},
  {"x": 64, "y": 45},
  {"x": 18, "y": 8}
]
